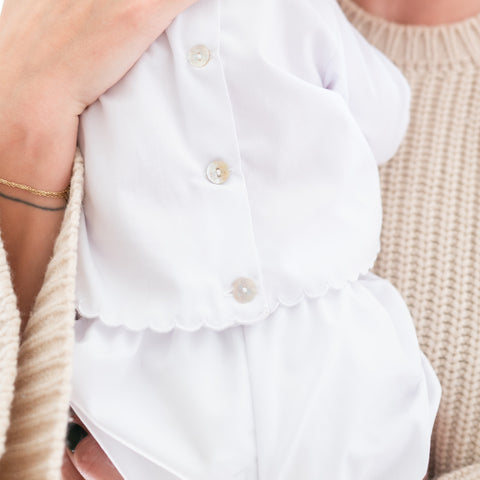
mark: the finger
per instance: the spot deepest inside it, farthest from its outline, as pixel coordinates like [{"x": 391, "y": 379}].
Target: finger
[
  {"x": 69, "y": 472},
  {"x": 92, "y": 462}
]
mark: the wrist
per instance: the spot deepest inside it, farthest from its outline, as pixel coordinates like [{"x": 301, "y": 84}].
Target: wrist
[{"x": 37, "y": 144}]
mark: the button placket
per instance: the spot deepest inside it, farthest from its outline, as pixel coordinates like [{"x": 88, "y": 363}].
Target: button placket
[{"x": 210, "y": 105}]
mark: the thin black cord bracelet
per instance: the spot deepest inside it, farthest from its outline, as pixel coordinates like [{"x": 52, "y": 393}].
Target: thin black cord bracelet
[{"x": 19, "y": 200}]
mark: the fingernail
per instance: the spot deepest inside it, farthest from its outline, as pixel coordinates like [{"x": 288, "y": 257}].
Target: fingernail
[{"x": 75, "y": 434}]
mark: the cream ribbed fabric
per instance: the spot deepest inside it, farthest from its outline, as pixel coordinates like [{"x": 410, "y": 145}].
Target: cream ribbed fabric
[
  {"x": 38, "y": 414},
  {"x": 431, "y": 227}
]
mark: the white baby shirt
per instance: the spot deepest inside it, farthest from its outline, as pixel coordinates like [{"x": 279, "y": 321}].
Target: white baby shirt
[
  {"x": 229, "y": 329},
  {"x": 297, "y": 108}
]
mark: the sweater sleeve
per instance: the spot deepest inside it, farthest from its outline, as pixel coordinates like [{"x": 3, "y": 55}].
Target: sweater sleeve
[
  {"x": 471, "y": 472},
  {"x": 376, "y": 92},
  {"x": 35, "y": 375}
]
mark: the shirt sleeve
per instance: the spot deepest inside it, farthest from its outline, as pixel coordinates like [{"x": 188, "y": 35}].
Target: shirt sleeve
[{"x": 375, "y": 90}]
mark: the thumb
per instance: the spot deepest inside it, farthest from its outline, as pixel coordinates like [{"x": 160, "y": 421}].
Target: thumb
[{"x": 88, "y": 457}]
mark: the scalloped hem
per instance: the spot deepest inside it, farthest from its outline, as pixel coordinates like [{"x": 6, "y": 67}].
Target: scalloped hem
[{"x": 280, "y": 300}]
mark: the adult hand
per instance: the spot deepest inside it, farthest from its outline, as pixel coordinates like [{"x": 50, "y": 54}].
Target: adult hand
[
  {"x": 59, "y": 56},
  {"x": 72, "y": 51},
  {"x": 88, "y": 461}
]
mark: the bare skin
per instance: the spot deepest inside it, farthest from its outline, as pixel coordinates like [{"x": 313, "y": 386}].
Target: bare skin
[
  {"x": 422, "y": 12},
  {"x": 57, "y": 58}
]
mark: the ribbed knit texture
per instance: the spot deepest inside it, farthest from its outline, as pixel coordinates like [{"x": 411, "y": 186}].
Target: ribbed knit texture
[
  {"x": 431, "y": 225},
  {"x": 9, "y": 345},
  {"x": 39, "y": 412}
]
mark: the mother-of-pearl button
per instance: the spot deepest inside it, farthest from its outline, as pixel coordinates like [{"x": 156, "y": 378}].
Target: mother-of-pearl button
[
  {"x": 218, "y": 172},
  {"x": 244, "y": 290},
  {"x": 198, "y": 56}
]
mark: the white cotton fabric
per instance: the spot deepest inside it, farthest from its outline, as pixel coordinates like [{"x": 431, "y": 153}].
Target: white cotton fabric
[
  {"x": 334, "y": 387},
  {"x": 319, "y": 374},
  {"x": 301, "y": 109}
]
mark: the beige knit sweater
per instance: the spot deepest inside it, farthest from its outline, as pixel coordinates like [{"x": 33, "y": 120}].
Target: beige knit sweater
[
  {"x": 431, "y": 252},
  {"x": 431, "y": 227}
]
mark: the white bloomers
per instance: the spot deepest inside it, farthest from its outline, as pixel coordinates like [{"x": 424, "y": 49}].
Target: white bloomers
[{"x": 334, "y": 387}]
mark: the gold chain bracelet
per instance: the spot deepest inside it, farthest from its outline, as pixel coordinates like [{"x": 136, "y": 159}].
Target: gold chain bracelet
[{"x": 40, "y": 193}]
